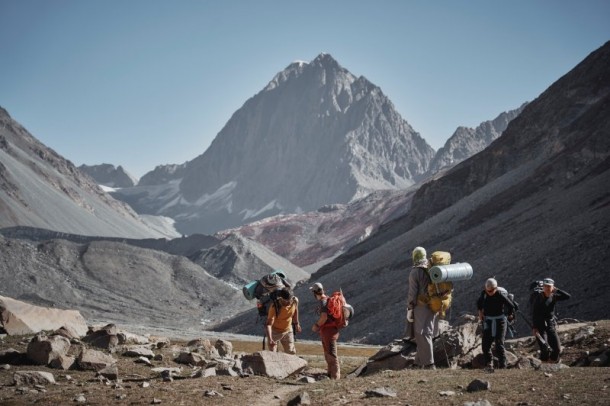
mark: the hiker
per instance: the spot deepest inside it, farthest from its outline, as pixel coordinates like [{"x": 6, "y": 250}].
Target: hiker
[
  {"x": 280, "y": 319},
  {"x": 329, "y": 332},
  {"x": 493, "y": 307},
  {"x": 420, "y": 318},
  {"x": 544, "y": 319}
]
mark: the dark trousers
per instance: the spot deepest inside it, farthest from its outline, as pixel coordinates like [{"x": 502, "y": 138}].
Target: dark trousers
[
  {"x": 488, "y": 339},
  {"x": 329, "y": 336},
  {"x": 549, "y": 333}
]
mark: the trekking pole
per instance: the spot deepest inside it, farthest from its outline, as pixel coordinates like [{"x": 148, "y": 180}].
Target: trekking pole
[{"x": 538, "y": 336}]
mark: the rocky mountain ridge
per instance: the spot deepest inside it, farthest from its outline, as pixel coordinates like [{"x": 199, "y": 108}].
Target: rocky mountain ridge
[
  {"x": 108, "y": 175},
  {"x": 465, "y": 141},
  {"x": 332, "y": 136}
]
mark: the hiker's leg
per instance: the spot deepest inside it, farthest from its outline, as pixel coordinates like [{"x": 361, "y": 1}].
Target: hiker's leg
[
  {"x": 486, "y": 344},
  {"x": 500, "y": 348},
  {"x": 553, "y": 341},
  {"x": 329, "y": 342},
  {"x": 424, "y": 330},
  {"x": 288, "y": 343},
  {"x": 544, "y": 352},
  {"x": 276, "y": 338}
]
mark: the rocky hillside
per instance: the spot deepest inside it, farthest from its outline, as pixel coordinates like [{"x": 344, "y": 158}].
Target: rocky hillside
[
  {"x": 465, "y": 141},
  {"x": 314, "y": 238},
  {"x": 39, "y": 188},
  {"x": 332, "y": 136},
  {"x": 531, "y": 205},
  {"x": 108, "y": 175},
  {"x": 186, "y": 283}
]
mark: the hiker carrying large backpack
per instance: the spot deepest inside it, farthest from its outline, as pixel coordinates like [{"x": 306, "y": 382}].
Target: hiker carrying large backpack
[
  {"x": 422, "y": 322},
  {"x": 334, "y": 313},
  {"x": 265, "y": 291},
  {"x": 281, "y": 319}
]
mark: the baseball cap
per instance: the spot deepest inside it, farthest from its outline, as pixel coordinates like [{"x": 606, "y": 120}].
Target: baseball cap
[
  {"x": 316, "y": 287},
  {"x": 548, "y": 281}
]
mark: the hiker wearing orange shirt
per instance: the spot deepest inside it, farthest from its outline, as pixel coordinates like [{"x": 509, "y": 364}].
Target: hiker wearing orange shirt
[{"x": 280, "y": 319}]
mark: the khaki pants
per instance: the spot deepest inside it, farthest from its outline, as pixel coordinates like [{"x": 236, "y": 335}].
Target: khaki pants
[
  {"x": 287, "y": 340},
  {"x": 329, "y": 336}
]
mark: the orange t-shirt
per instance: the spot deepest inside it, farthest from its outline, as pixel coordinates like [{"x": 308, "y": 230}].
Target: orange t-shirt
[{"x": 282, "y": 322}]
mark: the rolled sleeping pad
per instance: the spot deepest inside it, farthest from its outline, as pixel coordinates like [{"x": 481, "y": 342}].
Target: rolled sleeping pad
[
  {"x": 451, "y": 273},
  {"x": 249, "y": 290}
]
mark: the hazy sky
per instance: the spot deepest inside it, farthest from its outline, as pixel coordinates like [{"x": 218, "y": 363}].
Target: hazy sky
[{"x": 141, "y": 83}]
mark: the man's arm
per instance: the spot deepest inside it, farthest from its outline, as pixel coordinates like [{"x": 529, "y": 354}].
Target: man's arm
[
  {"x": 270, "y": 320},
  {"x": 295, "y": 316},
  {"x": 323, "y": 317},
  {"x": 561, "y": 294}
]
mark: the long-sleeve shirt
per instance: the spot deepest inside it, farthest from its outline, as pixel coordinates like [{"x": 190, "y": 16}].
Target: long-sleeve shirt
[
  {"x": 543, "y": 307},
  {"x": 495, "y": 305},
  {"x": 418, "y": 285}
]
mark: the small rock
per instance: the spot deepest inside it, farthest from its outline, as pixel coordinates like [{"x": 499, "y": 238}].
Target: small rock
[
  {"x": 306, "y": 379},
  {"x": 382, "y": 392},
  {"x": 301, "y": 399},
  {"x": 143, "y": 360},
  {"x": 446, "y": 393},
  {"x": 212, "y": 393},
  {"x": 155, "y": 401},
  {"x": 6, "y": 367},
  {"x": 121, "y": 396},
  {"x": 548, "y": 374},
  {"x": 422, "y": 381},
  {"x": 478, "y": 385},
  {"x": 565, "y": 396},
  {"x": 480, "y": 402},
  {"x": 145, "y": 384},
  {"x": 80, "y": 399}
]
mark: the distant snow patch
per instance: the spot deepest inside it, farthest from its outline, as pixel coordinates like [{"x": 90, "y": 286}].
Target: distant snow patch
[
  {"x": 108, "y": 189},
  {"x": 253, "y": 213}
]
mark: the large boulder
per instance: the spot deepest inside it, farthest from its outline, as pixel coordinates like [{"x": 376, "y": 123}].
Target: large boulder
[
  {"x": 42, "y": 349},
  {"x": 20, "y": 318},
  {"x": 452, "y": 347},
  {"x": 277, "y": 365}
]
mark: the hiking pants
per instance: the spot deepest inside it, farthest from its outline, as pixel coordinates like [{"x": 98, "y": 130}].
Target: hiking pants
[
  {"x": 329, "y": 336},
  {"x": 549, "y": 333},
  {"x": 424, "y": 329},
  {"x": 488, "y": 338},
  {"x": 287, "y": 340}
]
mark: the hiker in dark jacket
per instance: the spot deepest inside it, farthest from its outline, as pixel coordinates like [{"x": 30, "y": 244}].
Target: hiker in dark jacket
[
  {"x": 544, "y": 319},
  {"x": 493, "y": 307}
]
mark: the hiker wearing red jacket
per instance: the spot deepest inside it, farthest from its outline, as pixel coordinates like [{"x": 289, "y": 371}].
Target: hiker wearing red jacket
[{"x": 329, "y": 332}]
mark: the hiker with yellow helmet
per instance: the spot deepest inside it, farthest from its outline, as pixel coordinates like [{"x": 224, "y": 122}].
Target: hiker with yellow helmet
[{"x": 421, "y": 320}]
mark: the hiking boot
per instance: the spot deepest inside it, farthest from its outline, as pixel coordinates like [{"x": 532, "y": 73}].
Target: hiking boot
[{"x": 489, "y": 368}]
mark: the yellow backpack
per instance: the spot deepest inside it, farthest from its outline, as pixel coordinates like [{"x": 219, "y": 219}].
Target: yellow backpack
[{"x": 440, "y": 293}]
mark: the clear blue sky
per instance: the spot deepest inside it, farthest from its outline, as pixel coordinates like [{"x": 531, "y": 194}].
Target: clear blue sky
[{"x": 141, "y": 83}]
